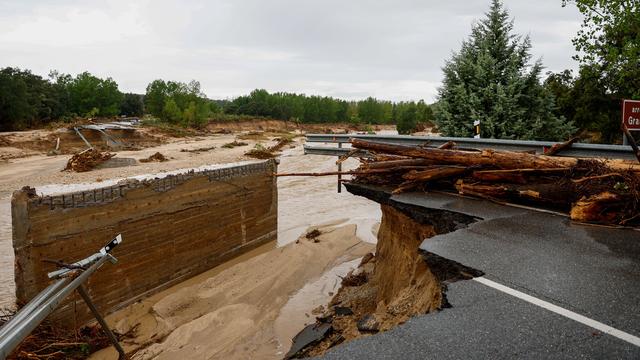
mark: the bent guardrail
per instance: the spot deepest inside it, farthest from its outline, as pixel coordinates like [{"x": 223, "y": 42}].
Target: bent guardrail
[{"x": 69, "y": 278}]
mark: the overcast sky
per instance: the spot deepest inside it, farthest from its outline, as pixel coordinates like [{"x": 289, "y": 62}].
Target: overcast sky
[{"x": 390, "y": 49}]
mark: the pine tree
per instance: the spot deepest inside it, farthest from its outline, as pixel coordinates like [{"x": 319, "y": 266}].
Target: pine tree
[{"x": 490, "y": 79}]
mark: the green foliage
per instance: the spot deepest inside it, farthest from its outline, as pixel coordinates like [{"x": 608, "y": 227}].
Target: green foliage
[
  {"x": 27, "y": 99},
  {"x": 132, "y": 105},
  {"x": 585, "y": 100},
  {"x": 609, "y": 40},
  {"x": 490, "y": 80},
  {"x": 171, "y": 112},
  {"x": 179, "y": 102},
  {"x": 317, "y": 109},
  {"x": 90, "y": 95},
  {"x": 407, "y": 119}
]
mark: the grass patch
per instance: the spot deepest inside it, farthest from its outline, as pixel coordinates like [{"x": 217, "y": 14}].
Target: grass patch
[{"x": 233, "y": 144}]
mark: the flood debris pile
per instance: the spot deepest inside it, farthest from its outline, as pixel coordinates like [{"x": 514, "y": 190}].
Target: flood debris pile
[
  {"x": 52, "y": 342},
  {"x": 261, "y": 152},
  {"x": 87, "y": 160},
  {"x": 199, "y": 150},
  {"x": 157, "y": 157},
  {"x": 589, "y": 190},
  {"x": 233, "y": 144}
]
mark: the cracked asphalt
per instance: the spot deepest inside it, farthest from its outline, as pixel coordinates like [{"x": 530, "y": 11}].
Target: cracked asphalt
[{"x": 589, "y": 270}]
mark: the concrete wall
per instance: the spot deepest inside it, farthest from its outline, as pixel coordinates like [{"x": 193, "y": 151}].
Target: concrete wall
[{"x": 173, "y": 228}]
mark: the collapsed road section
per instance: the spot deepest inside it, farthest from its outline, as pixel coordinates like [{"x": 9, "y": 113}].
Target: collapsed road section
[
  {"x": 177, "y": 225},
  {"x": 537, "y": 274},
  {"x": 550, "y": 288}
]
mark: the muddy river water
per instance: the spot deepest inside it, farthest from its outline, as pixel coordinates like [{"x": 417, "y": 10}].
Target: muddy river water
[{"x": 303, "y": 202}]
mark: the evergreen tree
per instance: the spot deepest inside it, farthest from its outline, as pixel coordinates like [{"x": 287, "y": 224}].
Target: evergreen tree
[{"x": 490, "y": 79}]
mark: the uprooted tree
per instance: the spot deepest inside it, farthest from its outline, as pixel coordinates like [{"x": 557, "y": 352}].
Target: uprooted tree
[{"x": 490, "y": 79}]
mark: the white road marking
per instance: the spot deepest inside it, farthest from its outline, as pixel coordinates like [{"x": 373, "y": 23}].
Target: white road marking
[{"x": 562, "y": 311}]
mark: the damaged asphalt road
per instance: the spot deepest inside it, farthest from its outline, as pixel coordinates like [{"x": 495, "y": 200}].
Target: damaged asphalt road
[{"x": 588, "y": 270}]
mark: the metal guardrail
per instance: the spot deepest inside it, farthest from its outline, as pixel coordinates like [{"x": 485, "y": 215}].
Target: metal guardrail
[
  {"x": 31, "y": 315},
  {"x": 576, "y": 150}
]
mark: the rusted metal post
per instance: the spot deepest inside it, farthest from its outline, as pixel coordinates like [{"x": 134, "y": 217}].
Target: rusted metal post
[
  {"x": 102, "y": 322},
  {"x": 339, "y": 170},
  {"x": 632, "y": 141}
]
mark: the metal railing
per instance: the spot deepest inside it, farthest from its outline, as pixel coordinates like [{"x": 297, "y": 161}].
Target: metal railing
[
  {"x": 68, "y": 279},
  {"x": 576, "y": 150}
]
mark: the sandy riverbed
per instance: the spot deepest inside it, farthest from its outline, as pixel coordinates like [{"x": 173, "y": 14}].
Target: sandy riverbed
[{"x": 251, "y": 306}]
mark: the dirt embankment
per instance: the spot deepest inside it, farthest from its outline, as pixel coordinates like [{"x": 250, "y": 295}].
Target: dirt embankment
[
  {"x": 66, "y": 141},
  {"x": 281, "y": 125},
  {"x": 386, "y": 290}
]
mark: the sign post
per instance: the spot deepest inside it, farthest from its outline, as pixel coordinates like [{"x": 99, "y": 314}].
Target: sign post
[
  {"x": 630, "y": 116},
  {"x": 631, "y": 122},
  {"x": 476, "y": 129}
]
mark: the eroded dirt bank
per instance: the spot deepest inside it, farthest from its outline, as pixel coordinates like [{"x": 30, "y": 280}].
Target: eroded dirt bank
[{"x": 387, "y": 289}]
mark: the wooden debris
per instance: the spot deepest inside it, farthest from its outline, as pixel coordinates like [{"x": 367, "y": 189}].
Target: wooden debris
[
  {"x": 632, "y": 141},
  {"x": 157, "y": 157},
  {"x": 588, "y": 190},
  {"x": 562, "y": 146},
  {"x": 87, "y": 160},
  {"x": 447, "y": 145}
]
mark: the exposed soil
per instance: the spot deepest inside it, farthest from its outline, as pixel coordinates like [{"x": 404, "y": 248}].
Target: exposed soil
[
  {"x": 45, "y": 141},
  {"x": 387, "y": 289},
  {"x": 295, "y": 217},
  {"x": 280, "y": 125}
]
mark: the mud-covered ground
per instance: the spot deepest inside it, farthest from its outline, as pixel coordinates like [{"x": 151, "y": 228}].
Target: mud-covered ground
[{"x": 272, "y": 290}]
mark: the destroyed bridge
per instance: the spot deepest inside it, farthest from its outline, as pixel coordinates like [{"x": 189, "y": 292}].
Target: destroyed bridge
[{"x": 537, "y": 284}]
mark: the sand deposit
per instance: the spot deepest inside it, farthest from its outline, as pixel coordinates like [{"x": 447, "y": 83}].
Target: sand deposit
[
  {"x": 231, "y": 313},
  {"x": 299, "y": 276}
]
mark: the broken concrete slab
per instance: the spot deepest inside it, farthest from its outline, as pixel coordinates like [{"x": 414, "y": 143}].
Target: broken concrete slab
[{"x": 308, "y": 336}]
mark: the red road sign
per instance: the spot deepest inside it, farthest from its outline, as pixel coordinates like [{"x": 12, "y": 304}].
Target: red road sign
[{"x": 631, "y": 114}]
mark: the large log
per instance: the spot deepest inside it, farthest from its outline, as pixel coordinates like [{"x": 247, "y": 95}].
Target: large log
[
  {"x": 559, "y": 195},
  {"x": 436, "y": 173},
  {"x": 518, "y": 176},
  {"x": 396, "y": 163},
  {"x": 500, "y": 159}
]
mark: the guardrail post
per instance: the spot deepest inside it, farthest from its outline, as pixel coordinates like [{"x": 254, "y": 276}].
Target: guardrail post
[
  {"x": 13, "y": 332},
  {"x": 102, "y": 322},
  {"x": 340, "y": 170}
]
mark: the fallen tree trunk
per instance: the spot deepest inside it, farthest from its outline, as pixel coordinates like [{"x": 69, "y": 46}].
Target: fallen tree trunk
[
  {"x": 396, "y": 163},
  {"x": 500, "y": 159},
  {"x": 517, "y": 176},
  {"x": 559, "y": 195},
  {"x": 436, "y": 173}
]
